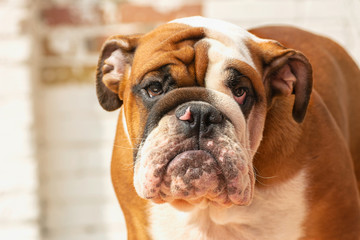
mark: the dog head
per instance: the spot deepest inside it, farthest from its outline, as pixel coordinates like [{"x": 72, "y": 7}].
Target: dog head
[{"x": 195, "y": 93}]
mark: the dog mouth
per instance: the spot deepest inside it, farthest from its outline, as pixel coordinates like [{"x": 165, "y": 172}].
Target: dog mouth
[{"x": 219, "y": 172}]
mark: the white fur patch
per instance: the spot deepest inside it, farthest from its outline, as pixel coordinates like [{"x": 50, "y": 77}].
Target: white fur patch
[{"x": 277, "y": 213}]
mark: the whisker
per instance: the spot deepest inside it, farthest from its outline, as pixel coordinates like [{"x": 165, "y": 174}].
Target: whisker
[
  {"x": 266, "y": 177},
  {"x": 257, "y": 176},
  {"x": 261, "y": 183}
]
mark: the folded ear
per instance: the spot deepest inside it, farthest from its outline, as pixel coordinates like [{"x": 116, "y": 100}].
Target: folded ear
[
  {"x": 287, "y": 72},
  {"x": 114, "y": 62}
]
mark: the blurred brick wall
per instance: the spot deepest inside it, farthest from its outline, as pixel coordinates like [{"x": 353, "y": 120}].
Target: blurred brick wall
[
  {"x": 19, "y": 211},
  {"x": 56, "y": 141}
]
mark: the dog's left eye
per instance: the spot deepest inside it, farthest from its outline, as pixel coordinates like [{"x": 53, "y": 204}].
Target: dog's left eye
[
  {"x": 154, "y": 89},
  {"x": 240, "y": 94}
]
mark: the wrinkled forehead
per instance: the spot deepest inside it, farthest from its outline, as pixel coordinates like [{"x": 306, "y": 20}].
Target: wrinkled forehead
[
  {"x": 177, "y": 44},
  {"x": 225, "y": 39}
]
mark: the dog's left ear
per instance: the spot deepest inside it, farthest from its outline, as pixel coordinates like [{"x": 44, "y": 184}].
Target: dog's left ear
[
  {"x": 114, "y": 62},
  {"x": 288, "y": 71}
]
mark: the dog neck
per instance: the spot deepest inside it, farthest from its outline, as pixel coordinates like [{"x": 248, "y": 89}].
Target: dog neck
[{"x": 270, "y": 207}]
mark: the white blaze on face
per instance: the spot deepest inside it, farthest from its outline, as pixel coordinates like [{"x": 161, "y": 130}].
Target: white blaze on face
[{"x": 218, "y": 55}]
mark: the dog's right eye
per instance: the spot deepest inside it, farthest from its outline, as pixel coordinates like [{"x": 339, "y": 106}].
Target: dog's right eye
[{"x": 154, "y": 89}]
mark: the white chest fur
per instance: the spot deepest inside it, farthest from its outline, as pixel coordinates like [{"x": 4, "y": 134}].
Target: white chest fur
[{"x": 276, "y": 213}]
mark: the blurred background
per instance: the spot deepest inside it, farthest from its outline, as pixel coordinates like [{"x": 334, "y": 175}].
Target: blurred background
[{"x": 55, "y": 140}]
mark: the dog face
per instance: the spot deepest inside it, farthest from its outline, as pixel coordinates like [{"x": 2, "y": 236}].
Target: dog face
[{"x": 195, "y": 94}]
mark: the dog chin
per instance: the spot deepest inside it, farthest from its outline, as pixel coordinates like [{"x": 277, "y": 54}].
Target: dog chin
[{"x": 203, "y": 203}]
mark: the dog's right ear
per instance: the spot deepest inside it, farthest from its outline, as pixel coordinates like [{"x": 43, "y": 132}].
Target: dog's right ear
[{"x": 114, "y": 62}]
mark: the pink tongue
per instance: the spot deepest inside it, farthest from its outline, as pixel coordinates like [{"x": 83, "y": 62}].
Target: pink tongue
[{"x": 193, "y": 174}]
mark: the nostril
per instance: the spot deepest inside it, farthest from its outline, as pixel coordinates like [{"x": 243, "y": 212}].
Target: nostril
[
  {"x": 215, "y": 118},
  {"x": 211, "y": 116},
  {"x": 187, "y": 116}
]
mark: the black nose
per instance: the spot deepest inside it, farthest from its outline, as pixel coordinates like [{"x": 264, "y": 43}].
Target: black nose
[{"x": 198, "y": 118}]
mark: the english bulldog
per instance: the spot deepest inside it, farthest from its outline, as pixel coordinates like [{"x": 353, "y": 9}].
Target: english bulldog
[{"x": 228, "y": 134}]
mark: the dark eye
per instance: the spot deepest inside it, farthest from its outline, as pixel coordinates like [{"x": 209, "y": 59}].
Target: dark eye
[
  {"x": 240, "y": 94},
  {"x": 154, "y": 89}
]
